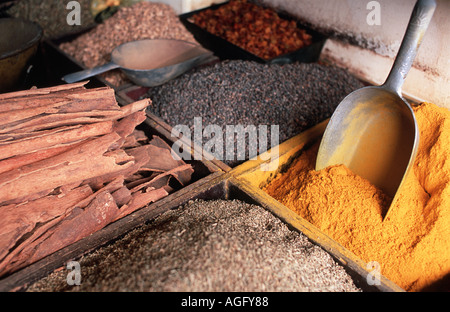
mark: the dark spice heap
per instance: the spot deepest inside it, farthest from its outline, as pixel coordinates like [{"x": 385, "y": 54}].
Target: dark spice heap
[
  {"x": 294, "y": 96},
  {"x": 208, "y": 246},
  {"x": 254, "y": 28},
  {"x": 51, "y": 15}
]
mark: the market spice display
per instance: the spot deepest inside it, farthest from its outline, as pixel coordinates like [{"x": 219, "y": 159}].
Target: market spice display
[{"x": 411, "y": 244}]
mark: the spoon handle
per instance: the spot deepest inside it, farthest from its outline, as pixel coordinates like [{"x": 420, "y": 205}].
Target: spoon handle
[
  {"x": 83, "y": 74},
  {"x": 418, "y": 24}
]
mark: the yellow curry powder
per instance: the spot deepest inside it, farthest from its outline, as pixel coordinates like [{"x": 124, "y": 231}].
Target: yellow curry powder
[{"x": 412, "y": 244}]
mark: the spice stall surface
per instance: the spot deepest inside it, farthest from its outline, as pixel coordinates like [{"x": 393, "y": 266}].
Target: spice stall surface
[{"x": 218, "y": 230}]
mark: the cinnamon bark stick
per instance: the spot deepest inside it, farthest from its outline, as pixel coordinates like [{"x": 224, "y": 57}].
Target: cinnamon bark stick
[
  {"x": 65, "y": 136},
  {"x": 100, "y": 98},
  {"x": 135, "y": 107},
  {"x": 42, "y": 91},
  {"x": 66, "y": 119},
  {"x": 79, "y": 163},
  {"x": 10, "y": 116},
  {"x": 26, "y": 159},
  {"x": 162, "y": 160},
  {"x": 139, "y": 200},
  {"x": 75, "y": 100},
  {"x": 140, "y": 156},
  {"x": 58, "y": 120},
  {"x": 62, "y": 231},
  {"x": 172, "y": 172},
  {"x": 79, "y": 224}
]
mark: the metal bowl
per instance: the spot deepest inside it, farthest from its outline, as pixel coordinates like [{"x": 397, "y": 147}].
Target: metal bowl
[{"x": 19, "y": 41}]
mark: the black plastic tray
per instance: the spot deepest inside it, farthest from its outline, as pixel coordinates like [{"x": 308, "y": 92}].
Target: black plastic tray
[
  {"x": 71, "y": 65},
  {"x": 225, "y": 50}
]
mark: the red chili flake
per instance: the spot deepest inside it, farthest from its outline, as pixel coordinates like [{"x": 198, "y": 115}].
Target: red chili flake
[{"x": 256, "y": 29}]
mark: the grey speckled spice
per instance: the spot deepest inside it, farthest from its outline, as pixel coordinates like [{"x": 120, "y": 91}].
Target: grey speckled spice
[
  {"x": 294, "y": 96},
  {"x": 51, "y": 15},
  {"x": 208, "y": 246}
]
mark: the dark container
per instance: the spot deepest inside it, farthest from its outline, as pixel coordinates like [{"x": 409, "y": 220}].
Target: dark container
[
  {"x": 226, "y": 50},
  {"x": 19, "y": 42}
]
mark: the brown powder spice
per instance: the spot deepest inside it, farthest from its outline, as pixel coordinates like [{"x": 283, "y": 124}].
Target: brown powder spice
[
  {"x": 411, "y": 244},
  {"x": 204, "y": 246}
]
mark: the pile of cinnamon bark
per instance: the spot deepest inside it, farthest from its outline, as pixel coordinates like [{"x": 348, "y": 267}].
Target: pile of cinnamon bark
[{"x": 72, "y": 162}]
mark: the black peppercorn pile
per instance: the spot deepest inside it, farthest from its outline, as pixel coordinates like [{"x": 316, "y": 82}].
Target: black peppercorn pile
[{"x": 294, "y": 96}]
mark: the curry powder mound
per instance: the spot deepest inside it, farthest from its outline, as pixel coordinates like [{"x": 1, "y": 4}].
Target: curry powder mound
[{"x": 412, "y": 243}]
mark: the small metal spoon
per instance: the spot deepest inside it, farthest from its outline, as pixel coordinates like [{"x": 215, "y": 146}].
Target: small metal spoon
[{"x": 150, "y": 62}]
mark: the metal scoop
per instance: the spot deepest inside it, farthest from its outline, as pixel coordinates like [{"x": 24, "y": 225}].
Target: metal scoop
[
  {"x": 150, "y": 62},
  {"x": 373, "y": 131}
]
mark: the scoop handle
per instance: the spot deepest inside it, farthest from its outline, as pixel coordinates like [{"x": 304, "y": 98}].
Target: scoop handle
[
  {"x": 418, "y": 24},
  {"x": 83, "y": 74}
]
